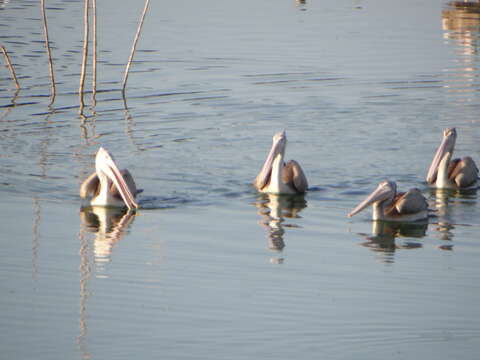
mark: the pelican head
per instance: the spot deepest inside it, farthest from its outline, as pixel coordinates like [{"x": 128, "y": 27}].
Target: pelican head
[
  {"x": 278, "y": 149},
  {"x": 444, "y": 152},
  {"x": 384, "y": 193},
  {"x": 108, "y": 173}
]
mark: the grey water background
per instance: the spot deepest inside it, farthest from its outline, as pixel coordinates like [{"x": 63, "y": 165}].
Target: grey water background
[{"x": 208, "y": 269}]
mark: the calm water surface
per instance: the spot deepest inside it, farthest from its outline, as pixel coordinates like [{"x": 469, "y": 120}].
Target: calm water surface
[{"x": 208, "y": 269}]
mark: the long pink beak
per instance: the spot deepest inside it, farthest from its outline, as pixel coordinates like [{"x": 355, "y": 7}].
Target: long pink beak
[
  {"x": 446, "y": 146},
  {"x": 278, "y": 146},
  {"x": 381, "y": 193},
  {"x": 106, "y": 164}
]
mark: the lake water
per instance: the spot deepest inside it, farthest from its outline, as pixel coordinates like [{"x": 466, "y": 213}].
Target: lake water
[{"x": 208, "y": 269}]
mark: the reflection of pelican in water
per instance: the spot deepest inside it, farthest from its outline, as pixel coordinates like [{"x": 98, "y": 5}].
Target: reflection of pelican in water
[
  {"x": 451, "y": 174},
  {"x": 301, "y": 4},
  {"x": 384, "y": 235},
  {"x": 445, "y": 213},
  {"x": 274, "y": 208},
  {"x": 109, "y": 226},
  {"x": 108, "y": 185},
  {"x": 461, "y": 16},
  {"x": 390, "y": 206},
  {"x": 461, "y": 25},
  {"x": 276, "y": 177}
]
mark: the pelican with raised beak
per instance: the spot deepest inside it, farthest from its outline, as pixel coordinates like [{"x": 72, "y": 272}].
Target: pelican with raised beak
[
  {"x": 108, "y": 185},
  {"x": 390, "y": 206},
  {"x": 278, "y": 177},
  {"x": 445, "y": 173}
]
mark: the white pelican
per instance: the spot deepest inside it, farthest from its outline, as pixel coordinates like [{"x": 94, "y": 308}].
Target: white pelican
[
  {"x": 276, "y": 177},
  {"x": 445, "y": 173},
  {"x": 108, "y": 185},
  {"x": 390, "y": 206}
]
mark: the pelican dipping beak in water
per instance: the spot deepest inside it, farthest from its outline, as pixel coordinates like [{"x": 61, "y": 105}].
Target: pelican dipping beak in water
[
  {"x": 390, "y": 206},
  {"x": 445, "y": 173},
  {"x": 108, "y": 185},
  {"x": 276, "y": 177}
]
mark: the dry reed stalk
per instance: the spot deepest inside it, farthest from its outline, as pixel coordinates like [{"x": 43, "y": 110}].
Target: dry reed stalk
[
  {"x": 132, "y": 52},
  {"x": 49, "y": 52},
  {"x": 10, "y": 66},
  {"x": 94, "y": 55},
  {"x": 85, "y": 56}
]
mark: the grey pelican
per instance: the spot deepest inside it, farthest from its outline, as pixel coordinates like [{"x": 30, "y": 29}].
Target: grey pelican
[
  {"x": 445, "y": 173},
  {"x": 108, "y": 185},
  {"x": 278, "y": 177},
  {"x": 390, "y": 206}
]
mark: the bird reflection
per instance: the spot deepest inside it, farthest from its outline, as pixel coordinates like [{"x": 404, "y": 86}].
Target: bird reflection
[
  {"x": 445, "y": 224},
  {"x": 273, "y": 209},
  {"x": 461, "y": 24},
  {"x": 384, "y": 234},
  {"x": 109, "y": 226},
  {"x": 3, "y": 3},
  {"x": 461, "y": 17},
  {"x": 301, "y": 4}
]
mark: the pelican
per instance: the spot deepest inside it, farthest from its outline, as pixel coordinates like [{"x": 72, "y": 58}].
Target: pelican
[
  {"x": 276, "y": 177},
  {"x": 445, "y": 173},
  {"x": 108, "y": 185},
  {"x": 390, "y": 206}
]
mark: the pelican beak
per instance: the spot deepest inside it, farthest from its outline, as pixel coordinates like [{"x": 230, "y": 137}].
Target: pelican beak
[
  {"x": 278, "y": 147},
  {"x": 104, "y": 163},
  {"x": 384, "y": 191},
  {"x": 447, "y": 145}
]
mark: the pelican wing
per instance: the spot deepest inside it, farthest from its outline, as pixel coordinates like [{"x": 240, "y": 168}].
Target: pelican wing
[
  {"x": 261, "y": 181},
  {"x": 293, "y": 175},
  {"x": 130, "y": 183},
  {"x": 465, "y": 172},
  {"x": 89, "y": 186},
  {"x": 411, "y": 202}
]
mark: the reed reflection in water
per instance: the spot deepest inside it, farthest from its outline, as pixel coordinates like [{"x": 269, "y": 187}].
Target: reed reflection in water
[{"x": 274, "y": 209}]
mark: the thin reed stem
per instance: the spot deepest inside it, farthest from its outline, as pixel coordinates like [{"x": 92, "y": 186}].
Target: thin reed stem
[
  {"x": 10, "y": 66},
  {"x": 134, "y": 46},
  {"x": 49, "y": 52},
  {"x": 85, "y": 56},
  {"x": 94, "y": 55}
]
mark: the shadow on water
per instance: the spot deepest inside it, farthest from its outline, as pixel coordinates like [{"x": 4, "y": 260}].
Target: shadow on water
[
  {"x": 384, "y": 235},
  {"x": 274, "y": 209}
]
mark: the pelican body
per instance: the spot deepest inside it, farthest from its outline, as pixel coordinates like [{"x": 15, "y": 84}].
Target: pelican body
[
  {"x": 445, "y": 173},
  {"x": 390, "y": 206},
  {"x": 109, "y": 186},
  {"x": 278, "y": 177}
]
